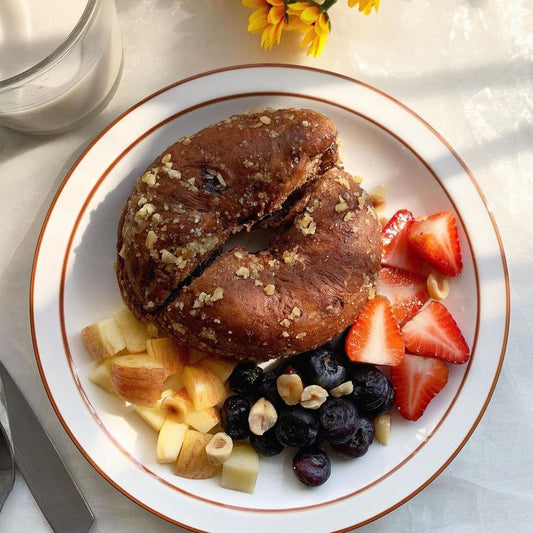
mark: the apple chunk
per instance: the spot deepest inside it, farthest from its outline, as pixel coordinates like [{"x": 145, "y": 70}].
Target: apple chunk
[
  {"x": 169, "y": 353},
  {"x": 137, "y": 378},
  {"x": 170, "y": 441},
  {"x": 135, "y": 333},
  {"x": 221, "y": 366},
  {"x": 240, "y": 470},
  {"x": 103, "y": 339},
  {"x": 192, "y": 460},
  {"x": 204, "y": 387},
  {"x": 101, "y": 375}
]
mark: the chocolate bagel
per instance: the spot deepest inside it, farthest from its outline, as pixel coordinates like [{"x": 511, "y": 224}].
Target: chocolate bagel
[{"x": 276, "y": 169}]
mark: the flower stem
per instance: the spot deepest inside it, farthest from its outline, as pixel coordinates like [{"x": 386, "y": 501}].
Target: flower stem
[{"x": 327, "y": 4}]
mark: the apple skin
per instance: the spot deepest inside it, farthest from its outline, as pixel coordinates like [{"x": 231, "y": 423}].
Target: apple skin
[
  {"x": 137, "y": 378},
  {"x": 203, "y": 385},
  {"x": 192, "y": 460}
]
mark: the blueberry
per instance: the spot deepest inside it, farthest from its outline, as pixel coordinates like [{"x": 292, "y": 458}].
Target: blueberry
[
  {"x": 338, "y": 420},
  {"x": 266, "y": 444},
  {"x": 311, "y": 466},
  {"x": 268, "y": 388},
  {"x": 297, "y": 427},
  {"x": 372, "y": 391},
  {"x": 234, "y": 417},
  {"x": 324, "y": 368},
  {"x": 357, "y": 445},
  {"x": 245, "y": 378}
]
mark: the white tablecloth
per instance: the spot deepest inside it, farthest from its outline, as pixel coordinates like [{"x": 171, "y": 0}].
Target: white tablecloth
[{"x": 463, "y": 65}]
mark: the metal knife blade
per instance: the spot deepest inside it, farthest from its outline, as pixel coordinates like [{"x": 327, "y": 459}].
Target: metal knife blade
[{"x": 53, "y": 488}]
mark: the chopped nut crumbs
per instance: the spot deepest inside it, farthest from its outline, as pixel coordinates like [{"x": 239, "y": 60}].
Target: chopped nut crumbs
[
  {"x": 180, "y": 328},
  {"x": 166, "y": 158},
  {"x": 145, "y": 211},
  {"x": 265, "y": 120},
  {"x": 243, "y": 272},
  {"x": 305, "y": 123},
  {"x": 285, "y": 334},
  {"x": 185, "y": 140},
  {"x": 361, "y": 201},
  {"x": 151, "y": 238},
  {"x": 301, "y": 335},
  {"x": 285, "y": 323},
  {"x": 149, "y": 179},
  {"x": 348, "y": 216},
  {"x": 174, "y": 174},
  {"x": 343, "y": 181},
  {"x": 306, "y": 224},
  {"x": 248, "y": 163},
  {"x": 270, "y": 289},
  {"x": 295, "y": 313},
  {"x": 142, "y": 201},
  {"x": 341, "y": 206}
]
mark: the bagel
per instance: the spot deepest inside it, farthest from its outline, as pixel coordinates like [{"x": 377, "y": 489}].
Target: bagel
[{"x": 276, "y": 169}]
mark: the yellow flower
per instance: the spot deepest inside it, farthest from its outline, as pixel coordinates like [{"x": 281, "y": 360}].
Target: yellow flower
[
  {"x": 365, "y": 5},
  {"x": 267, "y": 19},
  {"x": 311, "y": 21}
]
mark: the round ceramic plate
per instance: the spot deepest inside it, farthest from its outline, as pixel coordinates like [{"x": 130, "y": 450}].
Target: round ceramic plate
[{"x": 73, "y": 285}]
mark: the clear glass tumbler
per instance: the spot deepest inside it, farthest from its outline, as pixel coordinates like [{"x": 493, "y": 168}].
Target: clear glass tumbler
[{"x": 74, "y": 82}]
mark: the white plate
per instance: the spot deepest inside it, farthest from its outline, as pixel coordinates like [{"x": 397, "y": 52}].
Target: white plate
[{"x": 73, "y": 285}]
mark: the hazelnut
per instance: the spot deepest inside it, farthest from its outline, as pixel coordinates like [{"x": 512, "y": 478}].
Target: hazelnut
[
  {"x": 262, "y": 416},
  {"x": 342, "y": 390},
  {"x": 313, "y": 396},
  {"x": 219, "y": 448},
  {"x": 382, "y": 427},
  {"x": 438, "y": 286},
  {"x": 174, "y": 407},
  {"x": 290, "y": 388}
]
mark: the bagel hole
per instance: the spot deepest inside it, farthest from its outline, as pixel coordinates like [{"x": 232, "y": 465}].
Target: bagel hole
[{"x": 255, "y": 240}]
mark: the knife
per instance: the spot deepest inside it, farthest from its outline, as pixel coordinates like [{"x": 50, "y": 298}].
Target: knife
[{"x": 53, "y": 488}]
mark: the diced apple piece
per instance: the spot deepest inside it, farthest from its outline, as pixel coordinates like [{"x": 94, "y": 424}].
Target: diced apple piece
[
  {"x": 174, "y": 382},
  {"x": 103, "y": 339},
  {"x": 170, "y": 441},
  {"x": 151, "y": 415},
  {"x": 169, "y": 353},
  {"x": 203, "y": 385},
  {"x": 137, "y": 378},
  {"x": 135, "y": 333},
  {"x": 240, "y": 470},
  {"x": 101, "y": 375},
  {"x": 192, "y": 460},
  {"x": 204, "y": 419},
  {"x": 221, "y": 366}
]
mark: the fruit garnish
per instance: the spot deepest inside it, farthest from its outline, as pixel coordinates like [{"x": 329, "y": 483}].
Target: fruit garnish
[
  {"x": 416, "y": 381},
  {"x": 433, "y": 332},
  {"x": 436, "y": 240},
  {"x": 396, "y": 250},
  {"x": 407, "y": 292},
  {"x": 375, "y": 336}
]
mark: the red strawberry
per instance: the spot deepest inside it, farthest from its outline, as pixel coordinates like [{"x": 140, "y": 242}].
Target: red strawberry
[
  {"x": 416, "y": 381},
  {"x": 375, "y": 336},
  {"x": 396, "y": 249},
  {"x": 436, "y": 240},
  {"x": 434, "y": 333},
  {"x": 407, "y": 292}
]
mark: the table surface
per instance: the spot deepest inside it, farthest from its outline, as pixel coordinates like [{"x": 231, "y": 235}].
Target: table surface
[{"x": 465, "y": 66}]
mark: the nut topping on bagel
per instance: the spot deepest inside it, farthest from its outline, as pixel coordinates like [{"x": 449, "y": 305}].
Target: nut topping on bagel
[{"x": 273, "y": 169}]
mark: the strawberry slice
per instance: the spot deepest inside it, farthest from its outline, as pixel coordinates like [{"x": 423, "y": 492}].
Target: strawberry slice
[
  {"x": 433, "y": 332},
  {"x": 416, "y": 381},
  {"x": 436, "y": 240},
  {"x": 375, "y": 336},
  {"x": 407, "y": 292},
  {"x": 396, "y": 250}
]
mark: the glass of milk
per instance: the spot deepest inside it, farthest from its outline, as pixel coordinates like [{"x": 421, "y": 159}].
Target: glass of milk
[{"x": 60, "y": 62}]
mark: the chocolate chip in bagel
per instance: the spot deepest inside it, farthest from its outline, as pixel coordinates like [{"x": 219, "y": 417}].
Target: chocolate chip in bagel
[{"x": 275, "y": 169}]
